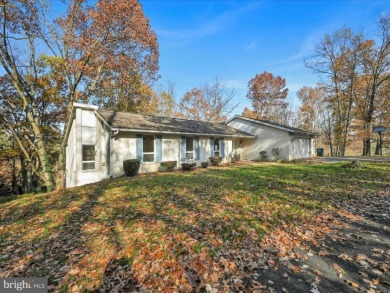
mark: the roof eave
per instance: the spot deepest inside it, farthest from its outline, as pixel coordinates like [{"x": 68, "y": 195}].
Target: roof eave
[
  {"x": 271, "y": 125},
  {"x": 134, "y": 130}
]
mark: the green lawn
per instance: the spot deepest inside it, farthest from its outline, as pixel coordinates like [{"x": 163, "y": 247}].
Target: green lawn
[{"x": 173, "y": 231}]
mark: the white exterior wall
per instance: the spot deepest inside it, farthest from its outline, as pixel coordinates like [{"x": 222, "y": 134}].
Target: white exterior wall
[
  {"x": 88, "y": 137},
  {"x": 170, "y": 148},
  {"x": 70, "y": 166},
  {"x": 267, "y": 139},
  {"x": 123, "y": 147},
  {"x": 86, "y": 129}
]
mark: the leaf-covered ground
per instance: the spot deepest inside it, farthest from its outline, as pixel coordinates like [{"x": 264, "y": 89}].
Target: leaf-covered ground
[{"x": 261, "y": 227}]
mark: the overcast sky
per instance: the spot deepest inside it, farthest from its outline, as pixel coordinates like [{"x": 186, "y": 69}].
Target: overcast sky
[{"x": 235, "y": 40}]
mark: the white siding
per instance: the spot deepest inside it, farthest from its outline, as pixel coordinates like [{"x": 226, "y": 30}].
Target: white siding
[
  {"x": 86, "y": 129},
  {"x": 267, "y": 139},
  {"x": 102, "y": 147},
  {"x": 123, "y": 147},
  {"x": 170, "y": 148},
  {"x": 205, "y": 149},
  {"x": 70, "y": 171}
]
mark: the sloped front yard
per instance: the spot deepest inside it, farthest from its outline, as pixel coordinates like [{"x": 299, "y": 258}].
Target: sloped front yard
[{"x": 243, "y": 227}]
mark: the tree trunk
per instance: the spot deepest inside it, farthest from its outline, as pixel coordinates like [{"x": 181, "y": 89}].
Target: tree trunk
[
  {"x": 47, "y": 171},
  {"x": 60, "y": 177},
  {"x": 378, "y": 147},
  {"x": 14, "y": 181},
  {"x": 367, "y": 147}
]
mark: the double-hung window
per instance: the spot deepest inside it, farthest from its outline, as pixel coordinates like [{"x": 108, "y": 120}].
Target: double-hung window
[
  {"x": 88, "y": 157},
  {"x": 189, "y": 148},
  {"x": 216, "y": 147},
  {"x": 148, "y": 148}
]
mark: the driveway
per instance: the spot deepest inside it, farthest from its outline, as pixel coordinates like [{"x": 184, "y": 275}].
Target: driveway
[
  {"x": 355, "y": 258},
  {"x": 351, "y": 158}
]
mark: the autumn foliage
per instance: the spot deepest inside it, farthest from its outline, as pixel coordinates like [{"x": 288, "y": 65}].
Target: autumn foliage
[
  {"x": 105, "y": 53},
  {"x": 267, "y": 94}
]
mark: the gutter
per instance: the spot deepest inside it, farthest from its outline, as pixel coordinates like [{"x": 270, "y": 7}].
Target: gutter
[{"x": 181, "y": 133}]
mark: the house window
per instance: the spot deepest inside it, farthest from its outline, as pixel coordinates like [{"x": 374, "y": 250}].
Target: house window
[
  {"x": 88, "y": 159},
  {"x": 189, "y": 148},
  {"x": 216, "y": 147},
  {"x": 148, "y": 147}
]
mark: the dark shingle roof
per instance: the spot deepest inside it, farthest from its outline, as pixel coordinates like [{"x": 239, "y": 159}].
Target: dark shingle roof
[{"x": 132, "y": 121}]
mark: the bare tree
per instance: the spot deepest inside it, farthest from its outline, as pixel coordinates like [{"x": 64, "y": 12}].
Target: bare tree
[
  {"x": 212, "y": 102},
  {"x": 376, "y": 67},
  {"x": 336, "y": 61}
]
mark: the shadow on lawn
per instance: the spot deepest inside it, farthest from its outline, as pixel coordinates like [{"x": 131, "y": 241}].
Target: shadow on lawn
[
  {"x": 205, "y": 205},
  {"x": 54, "y": 256},
  {"x": 37, "y": 204}
]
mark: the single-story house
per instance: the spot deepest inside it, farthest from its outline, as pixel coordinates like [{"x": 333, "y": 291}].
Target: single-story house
[{"x": 97, "y": 141}]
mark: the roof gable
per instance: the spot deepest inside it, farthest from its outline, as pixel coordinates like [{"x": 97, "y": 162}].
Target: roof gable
[{"x": 274, "y": 125}]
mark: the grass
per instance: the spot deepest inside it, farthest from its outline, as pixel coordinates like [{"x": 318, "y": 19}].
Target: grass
[{"x": 153, "y": 230}]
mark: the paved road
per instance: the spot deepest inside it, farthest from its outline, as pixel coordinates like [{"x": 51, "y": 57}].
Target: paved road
[{"x": 343, "y": 159}]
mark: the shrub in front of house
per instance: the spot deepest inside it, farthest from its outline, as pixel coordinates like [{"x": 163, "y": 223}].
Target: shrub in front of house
[
  {"x": 204, "y": 164},
  {"x": 188, "y": 166},
  {"x": 277, "y": 153},
  {"x": 168, "y": 166},
  {"x": 263, "y": 156},
  {"x": 131, "y": 167},
  {"x": 215, "y": 161},
  {"x": 235, "y": 157}
]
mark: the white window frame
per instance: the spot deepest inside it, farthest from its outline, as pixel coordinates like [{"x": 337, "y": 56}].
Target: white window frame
[
  {"x": 219, "y": 147},
  {"x": 190, "y": 152},
  {"x": 82, "y": 157},
  {"x": 149, "y": 153}
]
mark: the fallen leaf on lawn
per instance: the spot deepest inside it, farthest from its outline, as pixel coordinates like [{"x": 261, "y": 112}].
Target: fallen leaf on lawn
[
  {"x": 375, "y": 281},
  {"x": 322, "y": 253},
  {"x": 353, "y": 284},
  {"x": 360, "y": 257},
  {"x": 295, "y": 269},
  {"x": 338, "y": 268},
  {"x": 74, "y": 272},
  {"x": 345, "y": 256},
  {"x": 317, "y": 272}
]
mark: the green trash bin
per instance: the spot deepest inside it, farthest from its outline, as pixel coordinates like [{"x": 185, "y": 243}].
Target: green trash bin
[{"x": 320, "y": 152}]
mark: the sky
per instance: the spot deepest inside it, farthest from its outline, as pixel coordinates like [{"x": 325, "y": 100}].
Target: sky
[{"x": 235, "y": 40}]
